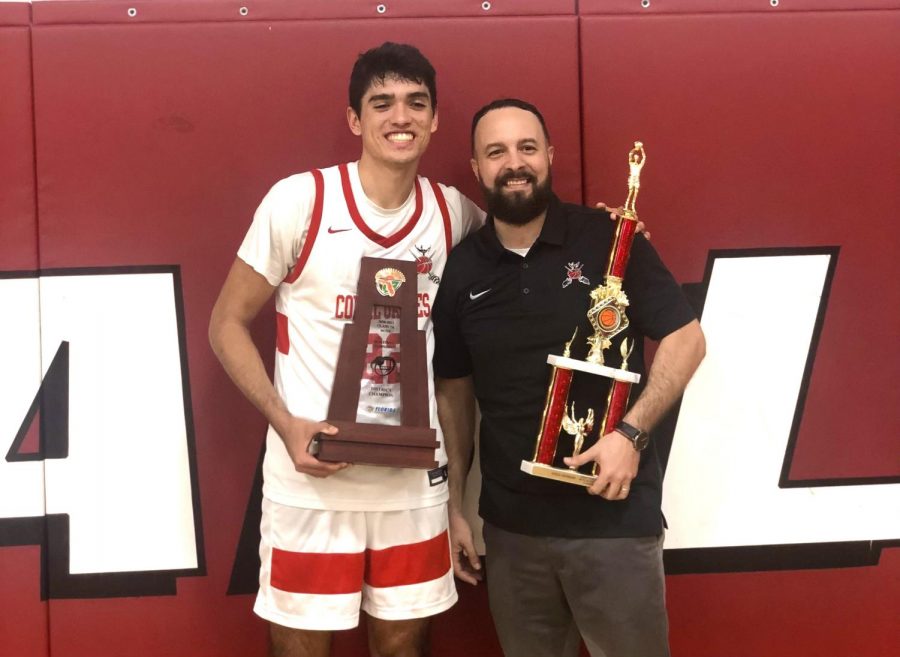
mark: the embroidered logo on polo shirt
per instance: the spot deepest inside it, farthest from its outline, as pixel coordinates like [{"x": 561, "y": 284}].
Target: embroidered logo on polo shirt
[
  {"x": 473, "y": 295},
  {"x": 573, "y": 273},
  {"x": 424, "y": 263}
]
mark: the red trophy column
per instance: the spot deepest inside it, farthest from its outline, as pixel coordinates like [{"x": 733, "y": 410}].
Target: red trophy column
[{"x": 554, "y": 412}]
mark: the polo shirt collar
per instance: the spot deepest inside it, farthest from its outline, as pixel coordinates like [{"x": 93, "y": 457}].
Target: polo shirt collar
[{"x": 552, "y": 232}]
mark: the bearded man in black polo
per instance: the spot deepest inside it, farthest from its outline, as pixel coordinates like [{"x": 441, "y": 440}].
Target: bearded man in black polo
[{"x": 564, "y": 565}]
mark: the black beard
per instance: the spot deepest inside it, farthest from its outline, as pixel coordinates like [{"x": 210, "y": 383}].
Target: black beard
[{"x": 518, "y": 208}]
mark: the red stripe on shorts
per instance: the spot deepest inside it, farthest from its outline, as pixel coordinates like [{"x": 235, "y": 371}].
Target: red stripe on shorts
[
  {"x": 323, "y": 574},
  {"x": 408, "y": 564}
]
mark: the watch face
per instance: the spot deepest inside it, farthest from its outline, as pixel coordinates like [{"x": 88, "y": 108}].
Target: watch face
[{"x": 641, "y": 441}]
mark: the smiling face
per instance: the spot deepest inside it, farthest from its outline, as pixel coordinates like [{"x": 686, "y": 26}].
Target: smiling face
[
  {"x": 395, "y": 122},
  {"x": 511, "y": 160}
]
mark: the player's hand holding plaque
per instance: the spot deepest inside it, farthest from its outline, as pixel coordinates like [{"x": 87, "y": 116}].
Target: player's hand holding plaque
[
  {"x": 608, "y": 319},
  {"x": 379, "y": 401}
]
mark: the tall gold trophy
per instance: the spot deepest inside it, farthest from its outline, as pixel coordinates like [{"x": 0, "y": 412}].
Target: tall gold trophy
[{"x": 607, "y": 317}]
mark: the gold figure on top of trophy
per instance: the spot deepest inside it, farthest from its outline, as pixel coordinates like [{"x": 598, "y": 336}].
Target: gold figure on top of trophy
[
  {"x": 578, "y": 427},
  {"x": 608, "y": 301},
  {"x": 636, "y": 158}
]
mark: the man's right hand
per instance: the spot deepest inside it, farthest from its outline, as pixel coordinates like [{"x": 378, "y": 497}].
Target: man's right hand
[
  {"x": 297, "y": 435},
  {"x": 466, "y": 564}
]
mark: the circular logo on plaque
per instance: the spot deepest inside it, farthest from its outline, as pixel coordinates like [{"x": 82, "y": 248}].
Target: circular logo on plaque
[
  {"x": 383, "y": 365},
  {"x": 388, "y": 281}
]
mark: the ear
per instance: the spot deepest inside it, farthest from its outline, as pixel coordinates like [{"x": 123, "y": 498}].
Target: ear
[
  {"x": 550, "y": 154},
  {"x": 474, "y": 163},
  {"x": 353, "y": 122},
  {"x": 434, "y": 122}
]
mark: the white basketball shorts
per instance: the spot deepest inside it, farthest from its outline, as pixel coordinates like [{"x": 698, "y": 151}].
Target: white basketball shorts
[{"x": 319, "y": 568}]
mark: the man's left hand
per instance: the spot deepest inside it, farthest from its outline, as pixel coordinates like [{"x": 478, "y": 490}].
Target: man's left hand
[{"x": 617, "y": 462}]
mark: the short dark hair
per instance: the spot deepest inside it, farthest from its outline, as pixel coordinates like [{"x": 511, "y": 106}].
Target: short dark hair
[
  {"x": 390, "y": 60},
  {"x": 508, "y": 102}
]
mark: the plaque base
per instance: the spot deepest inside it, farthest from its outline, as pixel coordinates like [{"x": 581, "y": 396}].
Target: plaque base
[
  {"x": 558, "y": 474},
  {"x": 378, "y": 444}
]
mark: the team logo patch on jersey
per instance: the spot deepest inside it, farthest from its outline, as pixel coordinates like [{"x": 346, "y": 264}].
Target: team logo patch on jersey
[
  {"x": 424, "y": 263},
  {"x": 573, "y": 273},
  {"x": 388, "y": 281}
]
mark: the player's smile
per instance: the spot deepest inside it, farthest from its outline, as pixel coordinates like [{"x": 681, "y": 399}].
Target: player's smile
[{"x": 399, "y": 137}]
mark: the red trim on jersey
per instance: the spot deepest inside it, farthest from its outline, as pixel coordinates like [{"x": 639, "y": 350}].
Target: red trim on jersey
[
  {"x": 314, "y": 222},
  {"x": 323, "y": 574},
  {"x": 282, "y": 341},
  {"x": 409, "y": 564},
  {"x": 381, "y": 240},
  {"x": 445, "y": 214}
]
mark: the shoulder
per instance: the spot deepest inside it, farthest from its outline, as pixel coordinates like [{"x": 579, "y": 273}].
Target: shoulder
[
  {"x": 293, "y": 198},
  {"x": 585, "y": 224},
  {"x": 449, "y": 192},
  {"x": 470, "y": 248},
  {"x": 293, "y": 187},
  {"x": 461, "y": 207},
  {"x": 290, "y": 194},
  {"x": 590, "y": 217}
]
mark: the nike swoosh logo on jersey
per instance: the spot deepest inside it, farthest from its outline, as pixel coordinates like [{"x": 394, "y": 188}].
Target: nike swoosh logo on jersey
[
  {"x": 333, "y": 230},
  {"x": 474, "y": 296}
]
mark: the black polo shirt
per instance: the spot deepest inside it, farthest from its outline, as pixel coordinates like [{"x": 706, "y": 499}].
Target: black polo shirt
[{"x": 497, "y": 317}]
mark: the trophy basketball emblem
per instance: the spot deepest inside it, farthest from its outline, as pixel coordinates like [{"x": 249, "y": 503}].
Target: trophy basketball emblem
[{"x": 608, "y": 319}]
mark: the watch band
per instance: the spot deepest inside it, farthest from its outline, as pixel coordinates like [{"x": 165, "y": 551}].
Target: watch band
[{"x": 639, "y": 439}]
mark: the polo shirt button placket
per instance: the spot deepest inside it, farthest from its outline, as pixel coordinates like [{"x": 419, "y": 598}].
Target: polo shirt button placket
[{"x": 525, "y": 291}]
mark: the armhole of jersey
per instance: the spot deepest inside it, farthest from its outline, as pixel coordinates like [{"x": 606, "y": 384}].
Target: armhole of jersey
[
  {"x": 313, "y": 230},
  {"x": 445, "y": 214}
]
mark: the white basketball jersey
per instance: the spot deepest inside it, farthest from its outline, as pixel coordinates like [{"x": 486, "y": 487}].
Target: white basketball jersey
[{"x": 307, "y": 238}]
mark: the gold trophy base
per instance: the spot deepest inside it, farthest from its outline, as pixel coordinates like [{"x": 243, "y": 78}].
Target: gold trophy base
[{"x": 559, "y": 474}]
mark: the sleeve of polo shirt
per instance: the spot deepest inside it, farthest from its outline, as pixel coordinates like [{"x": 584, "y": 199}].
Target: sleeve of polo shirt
[
  {"x": 657, "y": 304},
  {"x": 451, "y": 355}
]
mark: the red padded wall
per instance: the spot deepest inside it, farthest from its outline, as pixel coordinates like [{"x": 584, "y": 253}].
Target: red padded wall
[
  {"x": 773, "y": 129},
  {"x": 24, "y": 620},
  {"x": 156, "y": 140},
  {"x": 156, "y": 135},
  {"x": 18, "y": 233}
]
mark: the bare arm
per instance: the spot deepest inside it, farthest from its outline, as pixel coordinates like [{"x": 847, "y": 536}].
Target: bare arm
[
  {"x": 678, "y": 356},
  {"x": 243, "y": 295},
  {"x": 456, "y": 411}
]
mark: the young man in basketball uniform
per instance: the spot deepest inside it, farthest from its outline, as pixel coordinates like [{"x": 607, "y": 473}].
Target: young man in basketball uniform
[{"x": 335, "y": 538}]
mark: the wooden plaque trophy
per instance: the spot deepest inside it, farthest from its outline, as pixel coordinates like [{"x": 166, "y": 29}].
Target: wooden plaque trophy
[
  {"x": 607, "y": 316},
  {"x": 379, "y": 401}
]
